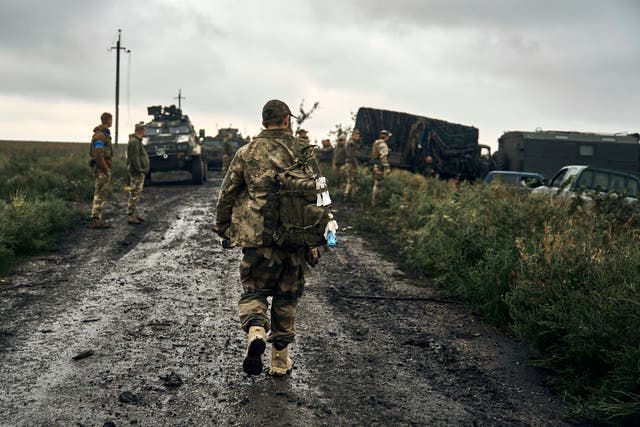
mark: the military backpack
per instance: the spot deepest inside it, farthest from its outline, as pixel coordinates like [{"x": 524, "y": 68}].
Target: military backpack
[{"x": 303, "y": 206}]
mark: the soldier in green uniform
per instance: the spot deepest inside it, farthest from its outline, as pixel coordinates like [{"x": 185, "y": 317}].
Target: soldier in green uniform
[
  {"x": 227, "y": 152},
  {"x": 246, "y": 214},
  {"x": 324, "y": 154},
  {"x": 351, "y": 166},
  {"x": 380, "y": 160},
  {"x": 339, "y": 159},
  {"x": 101, "y": 155},
  {"x": 137, "y": 166}
]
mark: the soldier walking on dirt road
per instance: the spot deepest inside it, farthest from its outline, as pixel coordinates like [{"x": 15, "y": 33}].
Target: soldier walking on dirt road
[
  {"x": 246, "y": 214},
  {"x": 137, "y": 166},
  {"x": 380, "y": 160},
  {"x": 101, "y": 155}
]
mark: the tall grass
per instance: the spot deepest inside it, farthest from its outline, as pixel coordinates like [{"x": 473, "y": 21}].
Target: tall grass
[
  {"x": 563, "y": 279},
  {"x": 43, "y": 190}
]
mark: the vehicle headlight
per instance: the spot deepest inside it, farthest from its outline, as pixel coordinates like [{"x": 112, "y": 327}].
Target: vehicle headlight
[
  {"x": 183, "y": 138},
  {"x": 145, "y": 140}
]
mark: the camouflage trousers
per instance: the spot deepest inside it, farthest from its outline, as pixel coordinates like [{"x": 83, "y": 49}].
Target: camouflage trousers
[
  {"x": 341, "y": 177},
  {"x": 136, "y": 182},
  {"x": 276, "y": 273},
  {"x": 100, "y": 193},
  {"x": 350, "y": 173},
  {"x": 378, "y": 179}
]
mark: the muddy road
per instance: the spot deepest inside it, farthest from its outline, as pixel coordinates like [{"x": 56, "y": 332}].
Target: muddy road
[{"x": 149, "y": 312}]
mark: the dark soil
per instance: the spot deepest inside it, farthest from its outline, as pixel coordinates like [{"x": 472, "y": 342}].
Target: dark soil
[{"x": 151, "y": 310}]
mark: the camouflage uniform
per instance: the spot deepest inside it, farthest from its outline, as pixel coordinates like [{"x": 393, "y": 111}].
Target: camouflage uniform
[
  {"x": 101, "y": 139},
  {"x": 379, "y": 158},
  {"x": 137, "y": 166},
  {"x": 350, "y": 170},
  {"x": 246, "y": 213},
  {"x": 339, "y": 159}
]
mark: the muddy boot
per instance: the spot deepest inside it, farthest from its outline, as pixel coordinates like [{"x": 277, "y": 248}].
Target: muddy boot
[
  {"x": 97, "y": 223},
  {"x": 280, "y": 362},
  {"x": 132, "y": 219},
  {"x": 252, "y": 363},
  {"x": 139, "y": 218}
]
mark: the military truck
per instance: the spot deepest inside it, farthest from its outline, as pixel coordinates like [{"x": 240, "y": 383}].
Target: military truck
[
  {"x": 214, "y": 145},
  {"x": 452, "y": 148},
  {"x": 172, "y": 143},
  {"x": 545, "y": 152}
]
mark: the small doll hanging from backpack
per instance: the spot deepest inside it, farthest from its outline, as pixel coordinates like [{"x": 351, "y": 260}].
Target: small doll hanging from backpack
[{"x": 330, "y": 232}]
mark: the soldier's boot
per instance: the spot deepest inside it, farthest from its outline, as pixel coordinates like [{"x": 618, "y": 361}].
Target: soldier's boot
[
  {"x": 97, "y": 223},
  {"x": 132, "y": 219},
  {"x": 252, "y": 363},
  {"x": 281, "y": 364},
  {"x": 141, "y": 219}
]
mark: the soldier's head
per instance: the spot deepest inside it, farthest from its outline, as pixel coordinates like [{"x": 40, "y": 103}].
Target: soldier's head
[
  {"x": 385, "y": 134},
  {"x": 139, "y": 129},
  {"x": 355, "y": 135},
  {"x": 429, "y": 160},
  {"x": 342, "y": 139},
  {"x": 276, "y": 115},
  {"x": 302, "y": 134},
  {"x": 330, "y": 216},
  {"x": 106, "y": 119},
  {"x": 326, "y": 143}
]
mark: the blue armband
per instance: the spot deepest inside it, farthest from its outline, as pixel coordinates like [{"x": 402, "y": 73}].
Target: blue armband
[{"x": 98, "y": 144}]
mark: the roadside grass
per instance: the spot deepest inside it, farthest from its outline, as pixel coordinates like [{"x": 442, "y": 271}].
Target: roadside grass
[
  {"x": 564, "y": 280},
  {"x": 44, "y": 188}
]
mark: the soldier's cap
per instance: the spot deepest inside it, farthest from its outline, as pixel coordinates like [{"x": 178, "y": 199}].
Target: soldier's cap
[
  {"x": 274, "y": 109},
  {"x": 342, "y": 137},
  {"x": 384, "y": 132},
  {"x": 302, "y": 132},
  {"x": 355, "y": 131},
  {"x": 139, "y": 126}
]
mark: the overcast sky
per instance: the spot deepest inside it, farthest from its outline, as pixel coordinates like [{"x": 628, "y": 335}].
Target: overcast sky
[{"x": 495, "y": 64}]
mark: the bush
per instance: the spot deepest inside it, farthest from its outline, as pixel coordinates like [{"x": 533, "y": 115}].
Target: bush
[{"x": 562, "y": 279}]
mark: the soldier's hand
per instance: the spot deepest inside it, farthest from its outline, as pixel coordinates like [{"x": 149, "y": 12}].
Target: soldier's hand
[
  {"x": 387, "y": 171},
  {"x": 312, "y": 256},
  {"x": 226, "y": 243}
]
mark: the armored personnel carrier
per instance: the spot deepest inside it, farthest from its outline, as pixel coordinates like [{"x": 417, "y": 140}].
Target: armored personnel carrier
[
  {"x": 424, "y": 145},
  {"x": 214, "y": 145},
  {"x": 172, "y": 143}
]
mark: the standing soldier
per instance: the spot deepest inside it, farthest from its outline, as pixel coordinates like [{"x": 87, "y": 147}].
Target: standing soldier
[
  {"x": 380, "y": 160},
  {"x": 227, "y": 152},
  {"x": 351, "y": 166},
  {"x": 138, "y": 166},
  {"x": 339, "y": 158},
  {"x": 246, "y": 215},
  {"x": 324, "y": 155},
  {"x": 101, "y": 155},
  {"x": 303, "y": 134}
]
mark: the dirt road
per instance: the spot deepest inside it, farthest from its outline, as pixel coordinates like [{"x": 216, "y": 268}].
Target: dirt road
[{"x": 153, "y": 310}]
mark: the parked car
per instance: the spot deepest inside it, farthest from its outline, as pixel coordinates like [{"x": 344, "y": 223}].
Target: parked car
[
  {"x": 214, "y": 146},
  {"x": 588, "y": 182},
  {"x": 520, "y": 180}
]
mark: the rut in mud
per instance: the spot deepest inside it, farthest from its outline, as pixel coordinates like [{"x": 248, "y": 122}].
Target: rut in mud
[{"x": 149, "y": 312}]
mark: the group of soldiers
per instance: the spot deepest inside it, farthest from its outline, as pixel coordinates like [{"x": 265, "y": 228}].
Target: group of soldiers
[
  {"x": 101, "y": 162},
  {"x": 344, "y": 161},
  {"x": 243, "y": 219}
]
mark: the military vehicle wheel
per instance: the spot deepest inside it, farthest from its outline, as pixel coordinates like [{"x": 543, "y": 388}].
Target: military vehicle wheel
[
  {"x": 499, "y": 161},
  {"x": 197, "y": 172}
]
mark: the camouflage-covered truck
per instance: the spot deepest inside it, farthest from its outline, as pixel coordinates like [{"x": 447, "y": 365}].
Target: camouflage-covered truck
[
  {"x": 424, "y": 145},
  {"x": 545, "y": 152}
]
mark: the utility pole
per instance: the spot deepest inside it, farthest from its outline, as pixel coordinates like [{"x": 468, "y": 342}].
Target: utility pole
[
  {"x": 179, "y": 98},
  {"x": 118, "y": 48}
]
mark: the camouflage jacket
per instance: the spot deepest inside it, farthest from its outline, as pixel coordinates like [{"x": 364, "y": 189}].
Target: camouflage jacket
[
  {"x": 246, "y": 211},
  {"x": 137, "y": 157},
  {"x": 101, "y": 139},
  {"x": 351, "y": 149},
  {"x": 380, "y": 154},
  {"x": 339, "y": 155}
]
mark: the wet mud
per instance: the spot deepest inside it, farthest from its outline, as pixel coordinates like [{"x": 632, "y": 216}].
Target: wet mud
[{"x": 137, "y": 325}]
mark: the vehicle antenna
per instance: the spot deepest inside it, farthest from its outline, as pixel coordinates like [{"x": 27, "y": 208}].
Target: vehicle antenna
[{"x": 179, "y": 98}]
